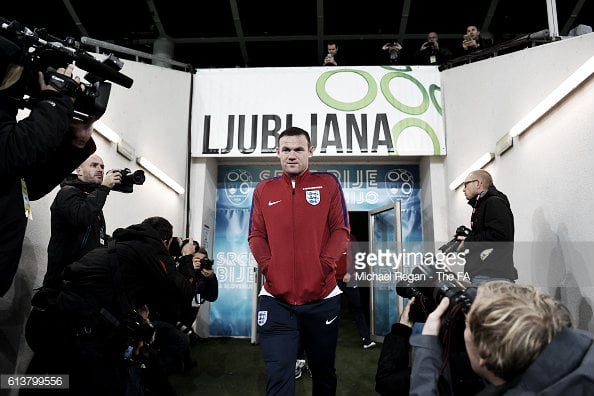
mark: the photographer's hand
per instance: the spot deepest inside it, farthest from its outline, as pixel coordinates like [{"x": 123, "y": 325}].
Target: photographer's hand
[
  {"x": 433, "y": 323},
  {"x": 66, "y": 72},
  {"x": 207, "y": 273},
  {"x": 405, "y": 315},
  {"x": 188, "y": 248},
  {"x": 112, "y": 177}
]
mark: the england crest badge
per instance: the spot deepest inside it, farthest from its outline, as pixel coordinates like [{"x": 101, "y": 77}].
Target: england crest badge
[
  {"x": 262, "y": 317},
  {"x": 312, "y": 197}
]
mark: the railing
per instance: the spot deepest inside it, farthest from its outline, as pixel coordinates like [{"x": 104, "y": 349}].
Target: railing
[{"x": 530, "y": 40}]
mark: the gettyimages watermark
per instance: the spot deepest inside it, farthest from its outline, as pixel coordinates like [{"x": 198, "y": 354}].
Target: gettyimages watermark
[
  {"x": 554, "y": 266},
  {"x": 388, "y": 265}
]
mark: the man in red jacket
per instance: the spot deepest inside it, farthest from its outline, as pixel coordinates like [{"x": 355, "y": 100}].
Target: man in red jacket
[{"x": 298, "y": 229}]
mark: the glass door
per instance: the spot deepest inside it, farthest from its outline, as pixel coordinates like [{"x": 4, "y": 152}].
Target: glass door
[{"x": 385, "y": 236}]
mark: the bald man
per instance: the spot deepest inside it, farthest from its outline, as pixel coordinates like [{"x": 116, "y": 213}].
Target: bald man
[
  {"x": 77, "y": 221},
  {"x": 490, "y": 243}
]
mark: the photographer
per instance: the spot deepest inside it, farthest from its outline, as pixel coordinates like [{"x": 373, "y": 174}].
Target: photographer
[
  {"x": 105, "y": 288},
  {"x": 431, "y": 52},
  {"x": 36, "y": 152},
  {"x": 393, "y": 52},
  {"x": 518, "y": 339},
  {"x": 490, "y": 242},
  {"x": 206, "y": 286},
  {"x": 77, "y": 221}
]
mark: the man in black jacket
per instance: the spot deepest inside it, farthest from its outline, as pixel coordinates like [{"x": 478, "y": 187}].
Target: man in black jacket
[
  {"x": 36, "y": 153},
  {"x": 104, "y": 288},
  {"x": 490, "y": 243},
  {"x": 77, "y": 221}
]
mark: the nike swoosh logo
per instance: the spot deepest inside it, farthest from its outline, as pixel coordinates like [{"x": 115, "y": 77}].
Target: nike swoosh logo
[
  {"x": 270, "y": 203},
  {"x": 331, "y": 320}
]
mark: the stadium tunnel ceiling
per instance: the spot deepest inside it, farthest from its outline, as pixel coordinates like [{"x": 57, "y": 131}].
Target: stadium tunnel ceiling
[{"x": 266, "y": 33}]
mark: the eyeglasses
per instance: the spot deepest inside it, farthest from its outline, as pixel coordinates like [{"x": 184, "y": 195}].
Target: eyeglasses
[{"x": 467, "y": 182}]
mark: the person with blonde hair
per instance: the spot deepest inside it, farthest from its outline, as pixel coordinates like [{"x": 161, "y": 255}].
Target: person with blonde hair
[{"x": 520, "y": 340}]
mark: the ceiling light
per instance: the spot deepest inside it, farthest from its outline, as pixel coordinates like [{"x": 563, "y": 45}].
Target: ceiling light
[
  {"x": 478, "y": 164},
  {"x": 106, "y": 131},
  {"x": 159, "y": 174},
  {"x": 579, "y": 76}
]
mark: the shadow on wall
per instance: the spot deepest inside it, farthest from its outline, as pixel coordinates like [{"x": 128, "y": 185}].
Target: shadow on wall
[
  {"x": 558, "y": 267},
  {"x": 14, "y": 311}
]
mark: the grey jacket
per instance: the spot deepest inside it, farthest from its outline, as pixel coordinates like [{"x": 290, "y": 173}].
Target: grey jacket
[{"x": 564, "y": 367}]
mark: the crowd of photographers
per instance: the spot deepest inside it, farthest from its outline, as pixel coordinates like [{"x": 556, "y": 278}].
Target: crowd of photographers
[
  {"x": 115, "y": 321},
  {"x": 114, "y": 313}
]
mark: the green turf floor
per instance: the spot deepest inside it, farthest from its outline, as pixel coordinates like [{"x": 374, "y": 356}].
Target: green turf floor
[{"x": 234, "y": 367}]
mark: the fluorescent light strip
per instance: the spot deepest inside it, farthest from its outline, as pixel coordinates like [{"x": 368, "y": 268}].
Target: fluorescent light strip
[
  {"x": 158, "y": 173},
  {"x": 579, "y": 76},
  {"x": 478, "y": 164},
  {"x": 106, "y": 132}
]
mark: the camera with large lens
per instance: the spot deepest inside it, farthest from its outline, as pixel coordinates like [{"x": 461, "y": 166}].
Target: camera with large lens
[
  {"x": 129, "y": 179},
  {"x": 431, "y": 288},
  {"x": 139, "y": 334}
]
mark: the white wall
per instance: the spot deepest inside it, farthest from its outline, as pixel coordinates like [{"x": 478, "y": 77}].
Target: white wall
[{"x": 547, "y": 174}]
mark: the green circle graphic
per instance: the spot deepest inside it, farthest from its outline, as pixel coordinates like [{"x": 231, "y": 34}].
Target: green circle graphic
[
  {"x": 346, "y": 106},
  {"x": 414, "y": 122},
  {"x": 398, "y": 68},
  {"x": 412, "y": 110},
  {"x": 432, "y": 90}
]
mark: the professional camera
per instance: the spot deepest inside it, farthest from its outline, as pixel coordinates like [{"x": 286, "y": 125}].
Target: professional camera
[
  {"x": 434, "y": 286},
  {"x": 141, "y": 335},
  {"x": 206, "y": 263},
  {"x": 430, "y": 45},
  {"x": 38, "y": 51},
  {"x": 452, "y": 245},
  {"x": 428, "y": 293},
  {"x": 129, "y": 179}
]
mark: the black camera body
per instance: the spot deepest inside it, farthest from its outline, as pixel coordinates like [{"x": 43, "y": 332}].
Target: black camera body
[
  {"x": 432, "y": 289},
  {"x": 452, "y": 245},
  {"x": 206, "y": 263},
  {"x": 129, "y": 179}
]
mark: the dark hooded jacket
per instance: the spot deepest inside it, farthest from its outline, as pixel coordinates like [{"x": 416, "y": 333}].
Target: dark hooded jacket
[
  {"x": 140, "y": 271},
  {"x": 490, "y": 243},
  {"x": 78, "y": 225},
  {"x": 38, "y": 150}
]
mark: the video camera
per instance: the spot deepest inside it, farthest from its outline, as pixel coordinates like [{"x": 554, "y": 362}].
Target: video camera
[
  {"x": 38, "y": 51},
  {"x": 129, "y": 179}
]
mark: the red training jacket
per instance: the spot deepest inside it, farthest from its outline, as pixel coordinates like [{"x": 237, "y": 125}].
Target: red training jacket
[{"x": 297, "y": 235}]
